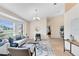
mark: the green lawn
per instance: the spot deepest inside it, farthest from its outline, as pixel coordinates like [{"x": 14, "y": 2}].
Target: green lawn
[{"x": 8, "y": 33}]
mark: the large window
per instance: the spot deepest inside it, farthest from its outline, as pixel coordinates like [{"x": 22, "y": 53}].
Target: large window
[
  {"x": 6, "y": 28},
  {"x": 19, "y": 28},
  {"x": 10, "y": 29}
]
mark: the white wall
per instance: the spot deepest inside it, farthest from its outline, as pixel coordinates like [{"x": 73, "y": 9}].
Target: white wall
[
  {"x": 71, "y": 23},
  {"x": 26, "y": 28},
  {"x": 41, "y": 25},
  {"x": 71, "y": 26},
  {"x": 55, "y": 23}
]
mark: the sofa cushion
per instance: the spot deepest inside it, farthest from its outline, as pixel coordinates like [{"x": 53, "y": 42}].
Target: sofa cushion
[
  {"x": 18, "y": 37},
  {"x": 1, "y": 44},
  {"x": 22, "y": 37},
  {"x": 20, "y": 42},
  {"x": 13, "y": 44},
  {"x": 0, "y": 40},
  {"x": 10, "y": 40}
]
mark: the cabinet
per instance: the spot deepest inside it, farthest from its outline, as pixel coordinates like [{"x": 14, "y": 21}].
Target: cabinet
[
  {"x": 72, "y": 47},
  {"x": 75, "y": 50}
]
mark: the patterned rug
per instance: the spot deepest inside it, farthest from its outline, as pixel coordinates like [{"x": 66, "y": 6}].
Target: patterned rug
[{"x": 44, "y": 49}]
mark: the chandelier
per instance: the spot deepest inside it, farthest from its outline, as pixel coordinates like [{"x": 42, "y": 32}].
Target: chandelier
[{"x": 36, "y": 17}]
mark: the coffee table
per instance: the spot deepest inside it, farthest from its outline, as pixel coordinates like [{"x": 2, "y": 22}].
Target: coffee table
[{"x": 35, "y": 43}]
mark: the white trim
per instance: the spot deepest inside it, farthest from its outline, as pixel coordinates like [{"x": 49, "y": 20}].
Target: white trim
[{"x": 9, "y": 16}]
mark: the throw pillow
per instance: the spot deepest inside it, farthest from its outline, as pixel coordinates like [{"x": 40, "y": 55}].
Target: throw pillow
[
  {"x": 18, "y": 37},
  {"x": 13, "y": 44},
  {"x": 0, "y": 40},
  {"x": 10, "y": 40}
]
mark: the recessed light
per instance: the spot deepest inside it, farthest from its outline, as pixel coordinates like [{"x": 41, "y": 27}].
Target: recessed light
[{"x": 55, "y": 3}]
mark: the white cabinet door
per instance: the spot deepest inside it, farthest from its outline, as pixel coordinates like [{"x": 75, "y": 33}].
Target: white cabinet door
[
  {"x": 67, "y": 45},
  {"x": 75, "y": 50}
]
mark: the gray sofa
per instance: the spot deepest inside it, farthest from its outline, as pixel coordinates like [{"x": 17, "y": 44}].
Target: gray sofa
[
  {"x": 3, "y": 48},
  {"x": 20, "y": 42}
]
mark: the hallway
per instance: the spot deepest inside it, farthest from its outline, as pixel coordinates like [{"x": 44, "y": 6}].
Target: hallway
[{"x": 57, "y": 46}]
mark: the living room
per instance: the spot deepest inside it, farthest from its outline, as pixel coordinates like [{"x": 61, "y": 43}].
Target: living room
[
  {"x": 27, "y": 25},
  {"x": 38, "y": 29}
]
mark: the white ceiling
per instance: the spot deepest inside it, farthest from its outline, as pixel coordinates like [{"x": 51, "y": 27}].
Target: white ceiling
[{"x": 27, "y": 10}]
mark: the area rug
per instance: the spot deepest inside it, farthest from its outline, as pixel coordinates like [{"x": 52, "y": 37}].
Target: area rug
[{"x": 44, "y": 49}]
